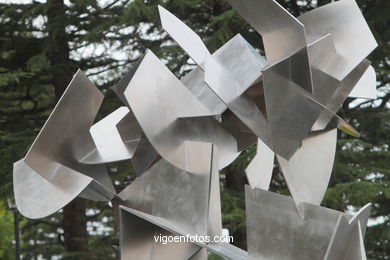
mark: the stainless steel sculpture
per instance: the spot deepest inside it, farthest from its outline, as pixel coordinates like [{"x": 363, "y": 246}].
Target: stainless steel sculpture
[{"x": 178, "y": 134}]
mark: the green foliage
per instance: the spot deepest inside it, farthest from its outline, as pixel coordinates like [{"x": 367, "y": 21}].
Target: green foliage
[
  {"x": 7, "y": 234},
  {"x": 233, "y": 210}
]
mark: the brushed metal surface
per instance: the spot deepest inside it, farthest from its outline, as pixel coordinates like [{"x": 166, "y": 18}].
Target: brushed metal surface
[{"x": 50, "y": 175}]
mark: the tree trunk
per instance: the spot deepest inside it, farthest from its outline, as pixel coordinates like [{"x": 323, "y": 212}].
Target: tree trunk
[{"x": 74, "y": 222}]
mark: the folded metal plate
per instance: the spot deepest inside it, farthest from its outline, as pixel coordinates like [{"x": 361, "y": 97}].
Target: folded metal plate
[
  {"x": 109, "y": 144},
  {"x": 308, "y": 171},
  {"x": 259, "y": 170},
  {"x": 282, "y": 33},
  {"x": 119, "y": 88},
  {"x": 286, "y": 103},
  {"x": 169, "y": 115},
  {"x": 184, "y": 36},
  {"x": 194, "y": 82},
  {"x": 231, "y": 82},
  {"x": 240, "y": 59},
  {"x": 244, "y": 136},
  {"x": 275, "y": 230},
  {"x": 144, "y": 157},
  {"x": 346, "y": 86},
  {"x": 352, "y": 37},
  {"x": 180, "y": 197},
  {"x": 323, "y": 57},
  {"x": 137, "y": 240},
  {"x": 346, "y": 237},
  {"x": 240, "y": 103},
  {"x": 366, "y": 87},
  {"x": 225, "y": 250},
  {"x": 61, "y": 143},
  {"x": 291, "y": 114},
  {"x": 340, "y": 95},
  {"x": 37, "y": 198}
]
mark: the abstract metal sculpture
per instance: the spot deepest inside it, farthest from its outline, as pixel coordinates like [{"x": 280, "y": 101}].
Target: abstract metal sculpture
[{"x": 178, "y": 133}]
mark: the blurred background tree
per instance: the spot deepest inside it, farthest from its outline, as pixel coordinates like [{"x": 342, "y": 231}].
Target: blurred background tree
[{"x": 43, "y": 43}]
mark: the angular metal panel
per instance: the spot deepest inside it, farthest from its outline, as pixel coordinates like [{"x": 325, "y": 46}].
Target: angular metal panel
[
  {"x": 345, "y": 237},
  {"x": 148, "y": 92},
  {"x": 259, "y": 170},
  {"x": 366, "y": 87},
  {"x": 109, "y": 144},
  {"x": 52, "y": 164},
  {"x": 225, "y": 250},
  {"x": 308, "y": 171},
  {"x": 184, "y": 36},
  {"x": 180, "y": 197},
  {"x": 242, "y": 105},
  {"x": 282, "y": 33},
  {"x": 243, "y": 135},
  {"x": 352, "y": 37},
  {"x": 356, "y": 249},
  {"x": 275, "y": 230},
  {"x": 137, "y": 240}
]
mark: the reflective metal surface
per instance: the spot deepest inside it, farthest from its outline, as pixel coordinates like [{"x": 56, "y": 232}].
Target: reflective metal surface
[
  {"x": 193, "y": 206},
  {"x": 366, "y": 86},
  {"x": 179, "y": 133},
  {"x": 275, "y": 230},
  {"x": 183, "y": 118},
  {"x": 259, "y": 171},
  {"x": 109, "y": 145},
  {"x": 137, "y": 239},
  {"x": 180, "y": 197},
  {"x": 184, "y": 36},
  {"x": 307, "y": 173},
  {"x": 347, "y": 238},
  {"x": 351, "y": 35},
  {"x": 50, "y": 175},
  {"x": 282, "y": 33}
]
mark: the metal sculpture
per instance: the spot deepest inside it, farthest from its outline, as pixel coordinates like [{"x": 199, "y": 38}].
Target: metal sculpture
[{"x": 178, "y": 133}]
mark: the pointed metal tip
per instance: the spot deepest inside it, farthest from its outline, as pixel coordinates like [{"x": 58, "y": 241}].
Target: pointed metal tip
[{"x": 301, "y": 209}]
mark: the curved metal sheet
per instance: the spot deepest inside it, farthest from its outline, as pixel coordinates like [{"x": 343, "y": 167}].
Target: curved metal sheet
[
  {"x": 308, "y": 171},
  {"x": 52, "y": 161},
  {"x": 259, "y": 170},
  {"x": 183, "y": 117},
  {"x": 35, "y": 197}
]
